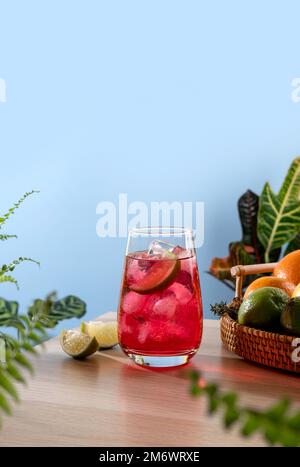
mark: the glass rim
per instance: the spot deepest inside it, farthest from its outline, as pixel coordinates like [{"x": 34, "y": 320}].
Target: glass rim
[{"x": 135, "y": 231}]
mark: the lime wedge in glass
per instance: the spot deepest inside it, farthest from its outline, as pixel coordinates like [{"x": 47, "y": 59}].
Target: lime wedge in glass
[
  {"x": 77, "y": 344},
  {"x": 148, "y": 274},
  {"x": 105, "y": 333}
]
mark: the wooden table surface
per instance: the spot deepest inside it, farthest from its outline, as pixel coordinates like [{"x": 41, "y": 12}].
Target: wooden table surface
[{"x": 107, "y": 400}]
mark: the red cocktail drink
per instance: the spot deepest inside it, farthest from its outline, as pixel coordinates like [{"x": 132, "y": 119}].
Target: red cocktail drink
[{"x": 160, "y": 312}]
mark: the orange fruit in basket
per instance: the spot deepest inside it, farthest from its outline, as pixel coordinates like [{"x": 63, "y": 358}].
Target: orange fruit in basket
[
  {"x": 296, "y": 292},
  {"x": 289, "y": 268},
  {"x": 270, "y": 281}
]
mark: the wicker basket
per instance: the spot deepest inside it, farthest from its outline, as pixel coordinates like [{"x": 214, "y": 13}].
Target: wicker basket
[{"x": 266, "y": 348}]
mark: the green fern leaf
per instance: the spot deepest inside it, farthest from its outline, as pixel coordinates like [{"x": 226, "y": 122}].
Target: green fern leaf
[
  {"x": 12, "y": 323},
  {"x": 34, "y": 337},
  {"x": 11, "y": 211},
  {"x": 28, "y": 347},
  {"x": 40, "y": 329},
  {"x": 8, "y": 307},
  {"x": 15, "y": 373},
  {"x": 6, "y": 384},
  {"x": 6, "y": 237},
  {"x": 7, "y": 278},
  {"x": 8, "y": 311},
  {"x": 23, "y": 361},
  {"x": 12, "y": 265},
  {"x": 4, "y": 405}
]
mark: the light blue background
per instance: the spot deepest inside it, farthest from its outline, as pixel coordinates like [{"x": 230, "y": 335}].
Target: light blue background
[{"x": 163, "y": 100}]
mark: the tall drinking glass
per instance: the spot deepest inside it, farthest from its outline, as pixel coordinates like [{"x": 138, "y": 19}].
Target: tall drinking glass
[{"x": 160, "y": 310}]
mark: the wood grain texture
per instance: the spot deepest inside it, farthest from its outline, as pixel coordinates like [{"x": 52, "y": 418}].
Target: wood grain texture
[{"x": 108, "y": 401}]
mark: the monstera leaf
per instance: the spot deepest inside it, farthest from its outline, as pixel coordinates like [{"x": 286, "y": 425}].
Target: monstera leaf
[{"x": 279, "y": 215}]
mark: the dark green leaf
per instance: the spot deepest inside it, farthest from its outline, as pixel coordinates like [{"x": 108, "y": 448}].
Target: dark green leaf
[
  {"x": 14, "y": 372},
  {"x": 5, "y": 216},
  {"x": 68, "y": 307},
  {"x": 34, "y": 337},
  {"x": 196, "y": 390},
  {"x": 294, "y": 421},
  {"x": 211, "y": 389},
  {"x": 277, "y": 412},
  {"x": 194, "y": 376},
  {"x": 49, "y": 312},
  {"x": 248, "y": 210},
  {"x": 251, "y": 425},
  {"x": 8, "y": 310},
  {"x": 40, "y": 328},
  {"x": 6, "y": 237},
  {"x": 288, "y": 438},
  {"x": 229, "y": 399},
  {"x": 6, "y": 384},
  {"x": 23, "y": 361},
  {"x": 12, "y": 323},
  {"x": 272, "y": 433},
  {"x": 231, "y": 416},
  {"x": 213, "y": 405},
  {"x": 4, "y": 404},
  {"x": 28, "y": 347},
  {"x": 12, "y": 265}
]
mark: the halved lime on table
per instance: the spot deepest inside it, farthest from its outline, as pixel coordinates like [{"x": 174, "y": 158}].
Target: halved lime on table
[
  {"x": 77, "y": 344},
  {"x": 106, "y": 333},
  {"x": 147, "y": 274}
]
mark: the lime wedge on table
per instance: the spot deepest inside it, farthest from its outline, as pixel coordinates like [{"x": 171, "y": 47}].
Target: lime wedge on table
[
  {"x": 78, "y": 345},
  {"x": 159, "y": 274},
  {"x": 105, "y": 333}
]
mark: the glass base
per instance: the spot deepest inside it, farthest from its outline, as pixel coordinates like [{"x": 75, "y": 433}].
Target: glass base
[{"x": 155, "y": 361}]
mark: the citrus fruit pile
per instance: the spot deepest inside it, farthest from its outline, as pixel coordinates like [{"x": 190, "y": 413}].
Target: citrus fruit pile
[
  {"x": 273, "y": 302},
  {"x": 93, "y": 336}
]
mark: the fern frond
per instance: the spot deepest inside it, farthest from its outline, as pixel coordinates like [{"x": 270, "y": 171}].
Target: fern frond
[
  {"x": 15, "y": 373},
  {"x": 23, "y": 361},
  {"x": 11, "y": 279},
  {"x": 12, "y": 265},
  {"x": 31, "y": 331},
  {"x": 30, "y": 334},
  {"x": 8, "y": 386},
  {"x": 11, "y": 211},
  {"x": 4, "y": 405},
  {"x": 4, "y": 237},
  {"x": 279, "y": 423}
]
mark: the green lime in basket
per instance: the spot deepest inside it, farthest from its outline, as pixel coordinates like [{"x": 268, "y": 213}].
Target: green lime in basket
[
  {"x": 263, "y": 308},
  {"x": 290, "y": 317}
]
